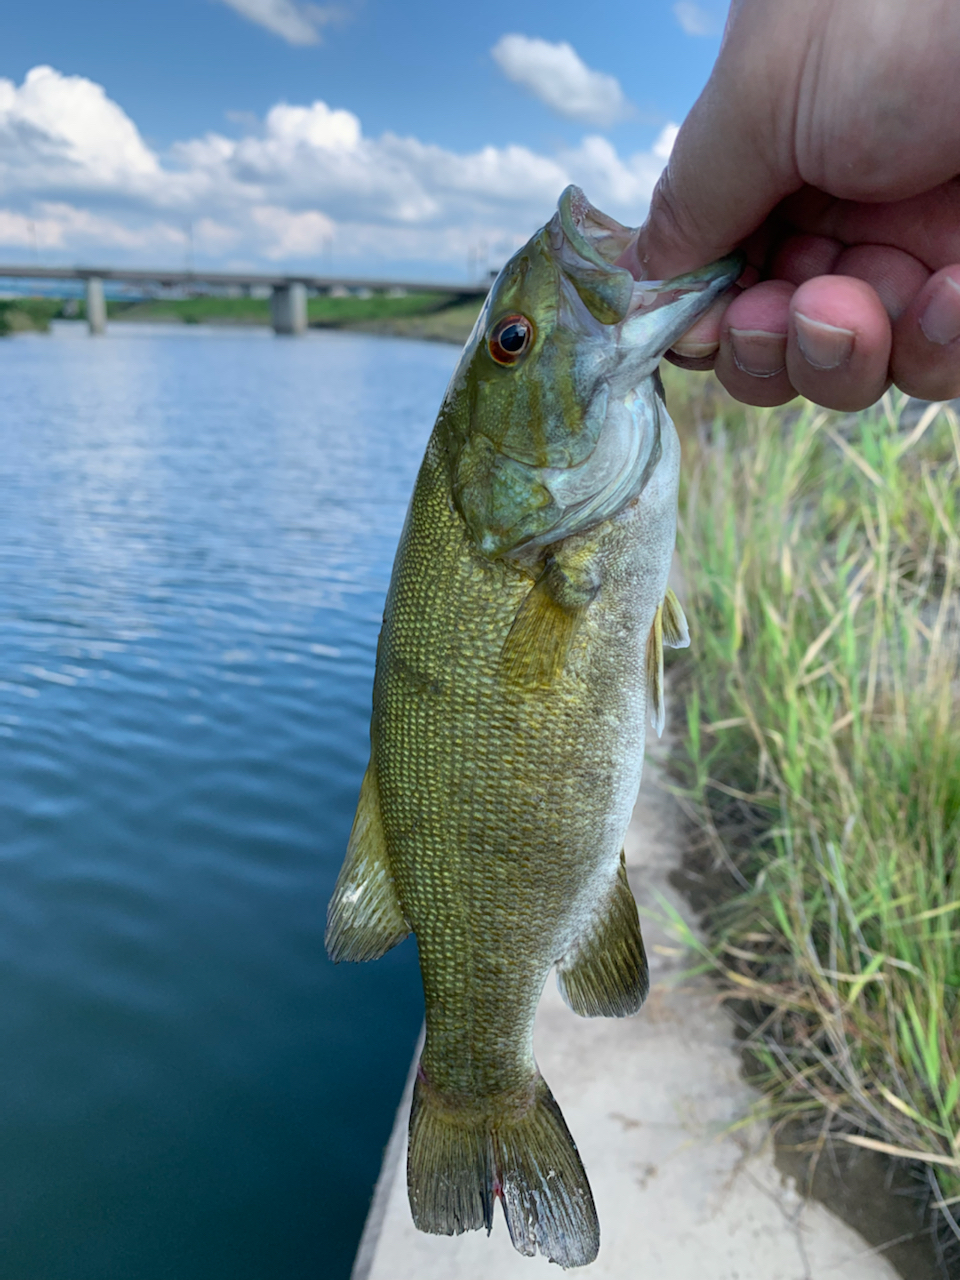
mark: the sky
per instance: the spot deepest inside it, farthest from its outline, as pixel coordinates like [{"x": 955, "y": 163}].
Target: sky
[{"x": 423, "y": 140}]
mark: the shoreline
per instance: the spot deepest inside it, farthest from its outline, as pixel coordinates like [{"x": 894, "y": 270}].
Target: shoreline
[{"x": 428, "y": 317}]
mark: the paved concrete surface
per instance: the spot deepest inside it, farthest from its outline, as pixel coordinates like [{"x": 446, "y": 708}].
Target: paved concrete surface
[{"x": 683, "y": 1190}]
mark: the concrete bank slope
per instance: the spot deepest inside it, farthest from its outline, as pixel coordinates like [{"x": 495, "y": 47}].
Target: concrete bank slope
[{"x": 683, "y": 1190}]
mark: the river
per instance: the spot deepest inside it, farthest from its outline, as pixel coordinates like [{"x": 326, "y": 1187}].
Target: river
[{"x": 196, "y": 533}]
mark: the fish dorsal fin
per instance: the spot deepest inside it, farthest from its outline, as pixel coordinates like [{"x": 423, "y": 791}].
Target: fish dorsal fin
[
  {"x": 605, "y": 974},
  {"x": 364, "y": 918},
  {"x": 537, "y": 646}
]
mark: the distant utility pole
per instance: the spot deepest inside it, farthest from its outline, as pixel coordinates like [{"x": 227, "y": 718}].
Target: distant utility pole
[
  {"x": 189, "y": 266},
  {"x": 478, "y": 260}
]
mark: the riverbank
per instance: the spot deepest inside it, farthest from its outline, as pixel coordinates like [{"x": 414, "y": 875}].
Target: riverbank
[
  {"x": 437, "y": 317},
  {"x": 684, "y": 1177},
  {"x": 25, "y": 315},
  {"x": 819, "y": 765}
]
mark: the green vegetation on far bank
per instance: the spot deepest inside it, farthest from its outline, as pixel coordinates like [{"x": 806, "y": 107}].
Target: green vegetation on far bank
[
  {"x": 21, "y": 315},
  {"x": 821, "y": 760},
  {"x": 436, "y": 316}
]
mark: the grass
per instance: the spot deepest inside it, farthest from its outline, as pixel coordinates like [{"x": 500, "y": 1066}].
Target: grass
[
  {"x": 322, "y": 310},
  {"x": 821, "y": 758},
  {"x": 18, "y": 315}
]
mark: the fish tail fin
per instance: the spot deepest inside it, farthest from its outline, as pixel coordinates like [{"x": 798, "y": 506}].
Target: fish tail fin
[
  {"x": 460, "y": 1161},
  {"x": 450, "y": 1174}
]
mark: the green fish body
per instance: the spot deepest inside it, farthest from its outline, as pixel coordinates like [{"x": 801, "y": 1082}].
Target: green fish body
[{"x": 520, "y": 651}]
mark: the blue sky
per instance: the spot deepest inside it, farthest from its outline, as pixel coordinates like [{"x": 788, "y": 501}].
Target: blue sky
[{"x": 362, "y": 136}]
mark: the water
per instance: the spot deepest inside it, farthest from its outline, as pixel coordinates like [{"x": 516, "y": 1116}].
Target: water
[{"x": 196, "y": 532}]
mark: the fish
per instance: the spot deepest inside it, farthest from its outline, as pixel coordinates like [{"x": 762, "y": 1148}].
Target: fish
[{"x": 521, "y": 649}]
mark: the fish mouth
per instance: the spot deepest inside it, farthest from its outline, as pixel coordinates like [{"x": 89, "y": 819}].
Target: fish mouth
[{"x": 586, "y": 244}]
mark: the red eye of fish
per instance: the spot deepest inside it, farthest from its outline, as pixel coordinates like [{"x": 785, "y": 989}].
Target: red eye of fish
[{"x": 510, "y": 338}]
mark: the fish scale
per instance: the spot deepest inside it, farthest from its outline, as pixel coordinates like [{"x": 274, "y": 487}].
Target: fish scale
[{"x": 522, "y": 633}]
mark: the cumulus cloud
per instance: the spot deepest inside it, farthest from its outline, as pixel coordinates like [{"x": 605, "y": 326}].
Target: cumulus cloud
[
  {"x": 56, "y": 224},
  {"x": 558, "y": 76},
  {"x": 292, "y": 235},
  {"x": 79, "y": 181},
  {"x": 664, "y": 143},
  {"x": 293, "y": 22},
  {"x": 55, "y": 128},
  {"x": 695, "y": 19}
]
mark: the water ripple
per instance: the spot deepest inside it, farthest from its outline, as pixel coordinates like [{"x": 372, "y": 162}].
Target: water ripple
[{"x": 195, "y": 542}]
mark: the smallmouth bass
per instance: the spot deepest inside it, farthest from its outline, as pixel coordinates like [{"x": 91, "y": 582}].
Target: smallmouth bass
[{"x": 522, "y": 644}]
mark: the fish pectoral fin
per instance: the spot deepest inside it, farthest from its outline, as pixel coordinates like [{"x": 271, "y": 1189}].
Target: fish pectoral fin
[
  {"x": 364, "y": 918},
  {"x": 461, "y": 1158},
  {"x": 536, "y": 648},
  {"x": 605, "y": 974},
  {"x": 535, "y": 651},
  {"x": 676, "y": 633}
]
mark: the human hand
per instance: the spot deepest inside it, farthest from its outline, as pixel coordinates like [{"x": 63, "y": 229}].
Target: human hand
[{"x": 827, "y": 143}]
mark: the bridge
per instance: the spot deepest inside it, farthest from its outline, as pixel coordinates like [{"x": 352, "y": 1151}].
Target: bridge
[{"x": 288, "y": 293}]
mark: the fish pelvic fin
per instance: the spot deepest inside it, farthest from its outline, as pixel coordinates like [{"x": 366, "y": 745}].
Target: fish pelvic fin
[
  {"x": 364, "y": 918},
  {"x": 654, "y": 665},
  {"x": 669, "y": 630},
  {"x": 605, "y": 974},
  {"x": 461, "y": 1160},
  {"x": 676, "y": 633},
  {"x": 535, "y": 651}
]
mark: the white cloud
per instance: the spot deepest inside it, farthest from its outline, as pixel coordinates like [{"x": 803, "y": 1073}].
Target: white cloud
[
  {"x": 54, "y": 225},
  {"x": 294, "y": 22},
  {"x": 55, "y": 128},
  {"x": 292, "y": 235},
  {"x": 695, "y": 19},
  {"x": 78, "y": 180},
  {"x": 557, "y": 75},
  {"x": 665, "y": 140}
]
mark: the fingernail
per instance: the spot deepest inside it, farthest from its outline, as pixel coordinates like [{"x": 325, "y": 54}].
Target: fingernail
[
  {"x": 823, "y": 345},
  {"x": 695, "y": 350},
  {"x": 941, "y": 316},
  {"x": 759, "y": 353}
]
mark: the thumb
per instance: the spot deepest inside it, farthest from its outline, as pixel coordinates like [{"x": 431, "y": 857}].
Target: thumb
[{"x": 731, "y": 164}]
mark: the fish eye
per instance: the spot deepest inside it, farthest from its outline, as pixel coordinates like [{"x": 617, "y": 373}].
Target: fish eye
[{"x": 510, "y": 338}]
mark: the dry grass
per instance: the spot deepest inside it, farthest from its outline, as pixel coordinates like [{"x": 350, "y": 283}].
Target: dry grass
[{"x": 822, "y": 757}]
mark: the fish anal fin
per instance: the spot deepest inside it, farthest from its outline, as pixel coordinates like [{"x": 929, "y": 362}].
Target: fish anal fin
[
  {"x": 654, "y": 666},
  {"x": 364, "y": 918},
  {"x": 676, "y": 633},
  {"x": 605, "y": 974},
  {"x": 461, "y": 1159},
  {"x": 535, "y": 651}
]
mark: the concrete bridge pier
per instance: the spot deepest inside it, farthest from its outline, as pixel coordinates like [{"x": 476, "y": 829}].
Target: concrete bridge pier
[
  {"x": 96, "y": 306},
  {"x": 288, "y": 308}
]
